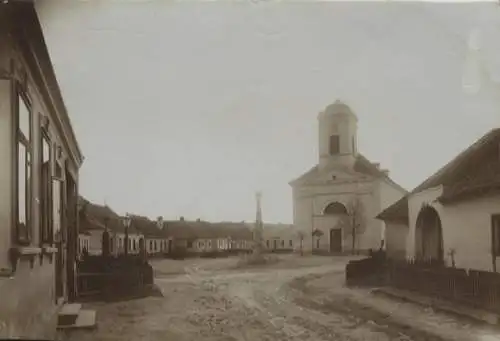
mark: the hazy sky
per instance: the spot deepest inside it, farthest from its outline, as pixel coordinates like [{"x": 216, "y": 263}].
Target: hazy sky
[{"x": 188, "y": 108}]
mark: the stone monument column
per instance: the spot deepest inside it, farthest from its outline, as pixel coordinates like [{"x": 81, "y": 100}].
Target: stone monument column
[{"x": 259, "y": 226}]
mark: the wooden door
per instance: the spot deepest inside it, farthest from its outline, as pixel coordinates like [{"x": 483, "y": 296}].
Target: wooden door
[{"x": 335, "y": 240}]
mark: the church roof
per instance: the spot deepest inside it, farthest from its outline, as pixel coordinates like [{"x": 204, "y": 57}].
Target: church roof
[
  {"x": 361, "y": 165},
  {"x": 461, "y": 178}
]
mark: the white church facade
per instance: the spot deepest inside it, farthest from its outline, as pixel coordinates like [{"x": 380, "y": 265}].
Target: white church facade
[{"x": 336, "y": 202}]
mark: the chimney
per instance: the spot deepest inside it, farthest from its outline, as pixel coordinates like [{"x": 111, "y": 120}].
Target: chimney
[
  {"x": 198, "y": 220},
  {"x": 181, "y": 218},
  {"x": 376, "y": 164}
]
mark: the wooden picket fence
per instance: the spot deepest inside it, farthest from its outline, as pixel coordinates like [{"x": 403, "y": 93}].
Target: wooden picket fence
[
  {"x": 109, "y": 277},
  {"x": 478, "y": 289}
]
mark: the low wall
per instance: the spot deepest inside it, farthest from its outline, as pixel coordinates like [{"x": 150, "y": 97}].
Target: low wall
[{"x": 27, "y": 301}]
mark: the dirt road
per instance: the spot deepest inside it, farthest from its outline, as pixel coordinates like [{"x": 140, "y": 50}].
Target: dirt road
[{"x": 297, "y": 299}]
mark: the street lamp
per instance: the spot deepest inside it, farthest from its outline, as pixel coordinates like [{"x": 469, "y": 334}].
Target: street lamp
[
  {"x": 159, "y": 222},
  {"x": 126, "y": 223},
  {"x": 105, "y": 243}
]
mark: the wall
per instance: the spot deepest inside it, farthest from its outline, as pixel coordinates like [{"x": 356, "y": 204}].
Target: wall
[
  {"x": 310, "y": 201},
  {"x": 28, "y": 310},
  {"x": 389, "y": 194},
  {"x": 344, "y": 193},
  {"x": 95, "y": 242},
  {"x": 302, "y": 219},
  {"x": 287, "y": 234},
  {"x": 467, "y": 229},
  {"x": 395, "y": 242},
  {"x": 119, "y": 243},
  {"x": 154, "y": 245}
]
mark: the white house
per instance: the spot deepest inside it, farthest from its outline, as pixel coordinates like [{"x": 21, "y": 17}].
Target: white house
[
  {"x": 323, "y": 195},
  {"x": 281, "y": 237},
  {"x": 83, "y": 242},
  {"x": 453, "y": 216}
]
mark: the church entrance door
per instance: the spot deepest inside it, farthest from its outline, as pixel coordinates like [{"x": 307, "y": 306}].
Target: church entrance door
[{"x": 335, "y": 240}]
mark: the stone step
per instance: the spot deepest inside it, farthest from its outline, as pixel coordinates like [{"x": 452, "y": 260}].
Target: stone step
[
  {"x": 86, "y": 319},
  {"x": 68, "y": 314}
]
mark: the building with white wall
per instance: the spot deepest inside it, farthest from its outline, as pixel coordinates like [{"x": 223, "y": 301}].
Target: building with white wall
[
  {"x": 39, "y": 176},
  {"x": 322, "y": 196},
  {"x": 453, "y": 216}
]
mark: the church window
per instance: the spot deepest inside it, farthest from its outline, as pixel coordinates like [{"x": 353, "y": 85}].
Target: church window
[{"x": 334, "y": 144}]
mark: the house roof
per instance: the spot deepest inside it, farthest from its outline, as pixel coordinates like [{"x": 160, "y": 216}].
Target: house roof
[
  {"x": 93, "y": 217},
  {"x": 361, "y": 165},
  {"x": 396, "y": 212},
  {"x": 461, "y": 178},
  {"x": 147, "y": 227},
  {"x": 206, "y": 230}
]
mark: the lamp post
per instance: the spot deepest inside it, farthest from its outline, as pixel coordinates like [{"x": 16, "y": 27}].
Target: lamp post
[
  {"x": 159, "y": 222},
  {"x": 105, "y": 243},
  {"x": 126, "y": 223}
]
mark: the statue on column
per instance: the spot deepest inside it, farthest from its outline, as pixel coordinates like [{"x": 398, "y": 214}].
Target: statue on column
[{"x": 259, "y": 226}]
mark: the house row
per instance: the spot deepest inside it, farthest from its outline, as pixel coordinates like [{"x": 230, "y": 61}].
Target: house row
[
  {"x": 160, "y": 237},
  {"x": 199, "y": 237},
  {"x": 95, "y": 219},
  {"x": 453, "y": 217},
  {"x": 39, "y": 176}
]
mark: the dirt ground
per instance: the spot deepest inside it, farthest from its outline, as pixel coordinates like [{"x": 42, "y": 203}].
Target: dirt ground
[{"x": 299, "y": 298}]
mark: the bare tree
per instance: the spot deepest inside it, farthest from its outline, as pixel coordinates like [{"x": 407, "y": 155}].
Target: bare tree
[
  {"x": 301, "y": 236},
  {"x": 354, "y": 221},
  {"x": 318, "y": 234}
]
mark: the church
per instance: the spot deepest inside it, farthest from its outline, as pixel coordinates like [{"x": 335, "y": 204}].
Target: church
[{"x": 336, "y": 202}]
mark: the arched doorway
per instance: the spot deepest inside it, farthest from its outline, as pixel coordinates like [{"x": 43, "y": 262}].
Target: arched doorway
[
  {"x": 429, "y": 235},
  {"x": 338, "y": 210}
]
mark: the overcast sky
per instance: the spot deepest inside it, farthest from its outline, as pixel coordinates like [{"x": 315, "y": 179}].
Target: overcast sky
[{"x": 186, "y": 109}]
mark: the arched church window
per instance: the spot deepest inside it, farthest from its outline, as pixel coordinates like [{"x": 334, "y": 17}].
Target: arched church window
[
  {"x": 335, "y": 208},
  {"x": 334, "y": 144}
]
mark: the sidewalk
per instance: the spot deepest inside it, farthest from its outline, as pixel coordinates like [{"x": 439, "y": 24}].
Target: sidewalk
[{"x": 440, "y": 305}]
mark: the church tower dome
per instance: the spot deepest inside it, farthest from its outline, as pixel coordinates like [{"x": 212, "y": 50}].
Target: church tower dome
[{"x": 338, "y": 127}]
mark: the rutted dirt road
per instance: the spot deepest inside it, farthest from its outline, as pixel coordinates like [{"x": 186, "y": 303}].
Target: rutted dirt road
[{"x": 297, "y": 299}]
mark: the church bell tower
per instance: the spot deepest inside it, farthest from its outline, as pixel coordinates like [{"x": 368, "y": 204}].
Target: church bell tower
[{"x": 338, "y": 127}]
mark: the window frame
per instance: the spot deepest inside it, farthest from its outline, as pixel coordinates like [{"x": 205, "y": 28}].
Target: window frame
[
  {"x": 47, "y": 223},
  {"x": 20, "y": 94}
]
